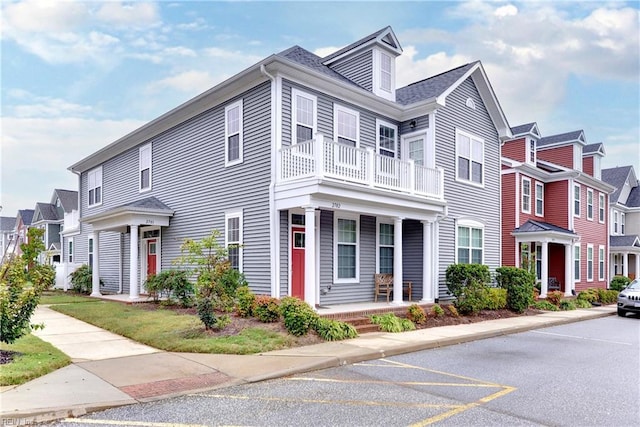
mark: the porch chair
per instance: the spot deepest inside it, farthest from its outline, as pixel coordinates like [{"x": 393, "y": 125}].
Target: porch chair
[
  {"x": 383, "y": 285},
  {"x": 553, "y": 284}
]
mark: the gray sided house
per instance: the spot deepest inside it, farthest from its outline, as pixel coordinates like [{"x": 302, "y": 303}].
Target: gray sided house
[
  {"x": 51, "y": 218},
  {"x": 320, "y": 169}
]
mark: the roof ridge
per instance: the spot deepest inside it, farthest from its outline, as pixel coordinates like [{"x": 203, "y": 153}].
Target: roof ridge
[{"x": 439, "y": 74}]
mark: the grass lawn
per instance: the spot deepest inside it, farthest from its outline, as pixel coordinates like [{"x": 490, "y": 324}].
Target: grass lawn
[
  {"x": 167, "y": 330},
  {"x": 38, "y": 358},
  {"x": 61, "y": 297}
]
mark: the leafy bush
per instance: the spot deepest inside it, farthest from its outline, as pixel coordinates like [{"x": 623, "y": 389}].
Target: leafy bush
[
  {"x": 590, "y": 295},
  {"x": 42, "y": 276},
  {"x": 545, "y": 305},
  {"x": 81, "y": 280},
  {"x": 567, "y": 304},
  {"x": 173, "y": 284},
  {"x": 245, "y": 300},
  {"x": 437, "y": 311},
  {"x": 298, "y": 316},
  {"x": 580, "y": 303},
  {"x": 459, "y": 276},
  {"x": 474, "y": 298},
  {"x": 266, "y": 309},
  {"x": 389, "y": 322},
  {"x": 607, "y": 296},
  {"x": 207, "y": 314},
  {"x": 495, "y": 299},
  {"x": 453, "y": 310},
  {"x": 618, "y": 283},
  {"x": 520, "y": 286},
  {"x": 554, "y": 297},
  {"x": 334, "y": 330},
  {"x": 416, "y": 314}
]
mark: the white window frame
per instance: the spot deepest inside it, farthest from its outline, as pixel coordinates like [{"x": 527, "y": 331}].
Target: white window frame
[
  {"x": 589, "y": 204},
  {"x": 577, "y": 202},
  {"x": 472, "y": 158},
  {"x": 338, "y": 132},
  {"x": 615, "y": 222},
  {"x": 622, "y": 223},
  {"x": 601, "y": 211},
  {"x": 70, "y": 250},
  {"x": 531, "y": 151},
  {"x": 90, "y": 251},
  {"x": 525, "y": 200},
  {"x": 227, "y": 241},
  {"x": 601, "y": 264},
  {"x": 577, "y": 273},
  {"x": 230, "y": 131},
  {"x": 379, "y": 124},
  {"x": 295, "y": 93},
  {"x": 336, "y": 243},
  {"x": 577, "y": 157},
  {"x": 94, "y": 183},
  {"x": 539, "y": 198},
  {"x": 471, "y": 225},
  {"x": 386, "y": 75},
  {"x": 145, "y": 160},
  {"x": 379, "y": 245},
  {"x": 590, "y": 264}
]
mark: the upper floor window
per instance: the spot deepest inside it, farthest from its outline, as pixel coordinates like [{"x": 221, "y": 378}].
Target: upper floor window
[
  {"x": 526, "y": 195},
  {"x": 346, "y": 249},
  {"x": 470, "y": 246},
  {"x": 577, "y": 157},
  {"x": 94, "y": 186},
  {"x": 303, "y": 116},
  {"x": 601, "y": 208},
  {"x": 233, "y": 238},
  {"x": 346, "y": 125},
  {"x": 576, "y": 200},
  {"x": 576, "y": 262},
  {"x": 615, "y": 222},
  {"x": 233, "y": 133},
  {"x": 622, "y": 215},
  {"x": 385, "y": 71},
  {"x": 589, "y": 204},
  {"x": 539, "y": 199},
  {"x": 470, "y": 157},
  {"x": 385, "y": 248},
  {"x": 144, "y": 163},
  {"x": 531, "y": 151},
  {"x": 387, "y": 139}
]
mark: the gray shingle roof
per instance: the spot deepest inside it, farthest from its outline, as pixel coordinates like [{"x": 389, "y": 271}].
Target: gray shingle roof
[
  {"x": 520, "y": 129},
  {"x": 149, "y": 203},
  {"x": 562, "y": 137},
  {"x": 626, "y": 241},
  {"x": 616, "y": 177},
  {"x": 431, "y": 87},
  {"x": 26, "y": 215},
  {"x": 7, "y": 223},
  {"x": 48, "y": 211},
  {"x": 593, "y": 148},
  {"x": 355, "y": 44},
  {"x": 68, "y": 199},
  {"x": 308, "y": 59},
  {"x": 532, "y": 226},
  {"x": 633, "y": 201}
]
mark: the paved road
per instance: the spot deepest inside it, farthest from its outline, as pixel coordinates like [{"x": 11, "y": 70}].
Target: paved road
[{"x": 581, "y": 374}]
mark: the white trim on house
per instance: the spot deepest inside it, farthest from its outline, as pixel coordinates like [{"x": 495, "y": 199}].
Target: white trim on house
[
  {"x": 577, "y": 257},
  {"x": 602, "y": 271},
  {"x": 525, "y": 204},
  {"x": 145, "y": 163},
  {"x": 470, "y": 153},
  {"x": 601, "y": 208},
  {"x": 94, "y": 187},
  {"x": 233, "y": 126},
  {"x": 339, "y": 215},
  {"x": 470, "y": 224},
  {"x": 577, "y": 201},
  {"x": 310, "y": 122},
  {"x": 349, "y": 132},
  {"x": 379, "y": 223},
  {"x": 229, "y": 238},
  {"x": 590, "y": 204},
  {"x": 590, "y": 259},
  {"x": 380, "y": 123},
  {"x": 539, "y": 185}
]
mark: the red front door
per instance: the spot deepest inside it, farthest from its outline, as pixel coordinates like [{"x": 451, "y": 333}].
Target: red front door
[
  {"x": 151, "y": 257},
  {"x": 297, "y": 262}
]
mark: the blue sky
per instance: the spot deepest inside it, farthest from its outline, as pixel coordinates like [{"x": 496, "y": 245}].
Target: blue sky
[{"x": 78, "y": 75}]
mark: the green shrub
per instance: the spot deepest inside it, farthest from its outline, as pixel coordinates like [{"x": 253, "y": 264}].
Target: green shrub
[
  {"x": 298, "y": 316},
  {"x": 207, "y": 315},
  {"x": 554, "y": 297},
  {"x": 580, "y": 303},
  {"x": 266, "y": 309},
  {"x": 520, "y": 286},
  {"x": 567, "y": 304},
  {"x": 590, "y": 295},
  {"x": 474, "y": 298},
  {"x": 81, "y": 280},
  {"x": 42, "y": 276},
  {"x": 459, "y": 276},
  {"x": 545, "y": 305},
  {"x": 245, "y": 300},
  {"x": 229, "y": 282},
  {"x": 389, "y": 322},
  {"x": 607, "y": 296},
  {"x": 495, "y": 299},
  {"x": 453, "y": 310},
  {"x": 437, "y": 311},
  {"x": 334, "y": 330},
  {"x": 173, "y": 284},
  {"x": 618, "y": 283},
  {"x": 416, "y": 314}
]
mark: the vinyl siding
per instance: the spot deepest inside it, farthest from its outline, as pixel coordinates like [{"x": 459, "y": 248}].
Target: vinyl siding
[
  {"x": 562, "y": 156},
  {"x": 509, "y": 213},
  {"x": 515, "y": 150},
  {"x": 412, "y": 265},
  {"x": 359, "y": 69}
]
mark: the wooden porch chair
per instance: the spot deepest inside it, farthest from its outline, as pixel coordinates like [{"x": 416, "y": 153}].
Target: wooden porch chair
[
  {"x": 553, "y": 284},
  {"x": 383, "y": 285}
]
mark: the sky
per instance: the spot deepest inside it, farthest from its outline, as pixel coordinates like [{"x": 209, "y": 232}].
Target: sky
[{"x": 76, "y": 76}]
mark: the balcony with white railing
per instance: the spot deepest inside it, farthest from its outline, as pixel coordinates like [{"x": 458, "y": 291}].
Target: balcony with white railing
[{"x": 322, "y": 158}]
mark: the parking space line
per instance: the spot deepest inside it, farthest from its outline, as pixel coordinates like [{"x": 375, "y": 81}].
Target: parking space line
[
  {"x": 581, "y": 338},
  {"x": 332, "y": 380},
  {"x": 448, "y": 374},
  {"x": 127, "y": 423}
]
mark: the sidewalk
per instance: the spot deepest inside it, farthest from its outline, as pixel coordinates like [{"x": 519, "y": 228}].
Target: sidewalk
[{"x": 109, "y": 370}]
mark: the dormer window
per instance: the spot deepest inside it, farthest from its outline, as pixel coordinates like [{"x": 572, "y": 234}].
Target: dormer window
[
  {"x": 531, "y": 151},
  {"x": 385, "y": 72},
  {"x": 577, "y": 157}
]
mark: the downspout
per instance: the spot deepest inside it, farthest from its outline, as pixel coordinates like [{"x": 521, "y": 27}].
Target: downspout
[
  {"x": 274, "y": 221},
  {"x": 120, "y": 251},
  {"x": 436, "y": 252}
]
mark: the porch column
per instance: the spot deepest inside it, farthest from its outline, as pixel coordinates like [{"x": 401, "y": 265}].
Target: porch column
[
  {"x": 518, "y": 252},
  {"x": 625, "y": 264},
  {"x": 544, "y": 274},
  {"x": 95, "y": 277},
  {"x": 637, "y": 270},
  {"x": 568, "y": 269},
  {"x": 310, "y": 256},
  {"x": 427, "y": 288},
  {"x": 134, "y": 288},
  {"x": 397, "y": 261}
]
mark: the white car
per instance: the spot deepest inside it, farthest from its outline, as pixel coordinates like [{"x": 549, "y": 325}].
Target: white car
[{"x": 629, "y": 299}]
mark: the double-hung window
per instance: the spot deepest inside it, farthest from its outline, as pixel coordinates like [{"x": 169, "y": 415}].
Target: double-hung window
[
  {"x": 539, "y": 199},
  {"x": 346, "y": 249},
  {"x": 589, "y": 262},
  {"x": 94, "y": 186},
  {"x": 615, "y": 222},
  {"x": 303, "y": 116},
  {"x": 576, "y": 200},
  {"x": 526, "y": 195},
  {"x": 589, "y": 204},
  {"x": 144, "y": 164},
  {"x": 601, "y": 208},
  {"x": 576, "y": 262},
  {"x": 601, "y": 262},
  {"x": 233, "y": 133},
  {"x": 622, "y": 215},
  {"x": 385, "y": 248},
  {"x": 470, "y": 246},
  {"x": 90, "y": 251},
  {"x": 532, "y": 151},
  {"x": 470, "y": 158},
  {"x": 387, "y": 139},
  {"x": 233, "y": 238},
  {"x": 346, "y": 125}
]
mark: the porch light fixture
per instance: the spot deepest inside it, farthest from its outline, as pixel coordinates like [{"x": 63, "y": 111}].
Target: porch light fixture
[{"x": 412, "y": 124}]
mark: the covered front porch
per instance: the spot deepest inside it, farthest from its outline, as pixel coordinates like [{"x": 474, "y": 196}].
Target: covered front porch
[{"x": 625, "y": 256}]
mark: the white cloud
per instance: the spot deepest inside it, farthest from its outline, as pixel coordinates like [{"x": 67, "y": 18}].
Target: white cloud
[
  {"x": 411, "y": 70},
  {"x": 508, "y": 10},
  {"x": 141, "y": 14},
  {"x": 40, "y": 16},
  {"x": 191, "y": 82}
]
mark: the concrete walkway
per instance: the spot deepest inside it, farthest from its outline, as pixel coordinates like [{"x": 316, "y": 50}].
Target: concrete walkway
[{"x": 109, "y": 370}]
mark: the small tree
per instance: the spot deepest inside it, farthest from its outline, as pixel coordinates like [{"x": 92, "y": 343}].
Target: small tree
[{"x": 519, "y": 284}]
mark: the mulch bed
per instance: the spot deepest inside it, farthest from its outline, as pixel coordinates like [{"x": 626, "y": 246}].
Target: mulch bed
[{"x": 7, "y": 356}]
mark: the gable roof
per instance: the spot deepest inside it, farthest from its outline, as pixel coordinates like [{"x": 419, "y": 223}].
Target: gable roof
[
  {"x": 304, "y": 57},
  {"x": 431, "y": 87},
  {"x": 26, "y": 215},
  {"x": 528, "y": 128},
  {"x": 616, "y": 177},
  {"x": 384, "y": 37},
  {"x": 532, "y": 226},
  {"x": 597, "y": 148},
  {"x": 627, "y": 241},
  {"x": 562, "y": 138},
  {"x": 68, "y": 199},
  {"x": 45, "y": 212},
  {"x": 7, "y": 223}
]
